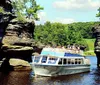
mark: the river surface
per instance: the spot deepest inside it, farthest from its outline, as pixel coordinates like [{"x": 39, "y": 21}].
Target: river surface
[{"x": 26, "y": 78}]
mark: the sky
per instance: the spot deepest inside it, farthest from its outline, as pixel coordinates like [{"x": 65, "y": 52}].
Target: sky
[{"x": 68, "y": 11}]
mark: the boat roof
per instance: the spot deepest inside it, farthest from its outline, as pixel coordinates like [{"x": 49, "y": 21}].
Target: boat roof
[{"x": 58, "y": 54}]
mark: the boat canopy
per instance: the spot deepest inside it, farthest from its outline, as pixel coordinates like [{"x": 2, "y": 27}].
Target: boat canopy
[
  {"x": 58, "y": 54},
  {"x": 72, "y": 55}
]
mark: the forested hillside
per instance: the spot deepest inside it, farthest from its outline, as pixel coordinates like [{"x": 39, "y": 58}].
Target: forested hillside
[{"x": 56, "y": 34}]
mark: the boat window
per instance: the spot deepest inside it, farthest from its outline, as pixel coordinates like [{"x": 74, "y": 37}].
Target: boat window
[
  {"x": 37, "y": 59},
  {"x": 72, "y": 61},
  {"x": 44, "y": 59},
  {"x": 78, "y": 61},
  {"x": 52, "y": 60},
  {"x": 69, "y": 61},
  {"x": 64, "y": 61},
  {"x": 60, "y": 61}
]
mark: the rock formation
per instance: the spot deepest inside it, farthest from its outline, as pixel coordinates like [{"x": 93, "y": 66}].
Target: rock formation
[
  {"x": 5, "y": 17},
  {"x": 96, "y": 32},
  {"x": 18, "y": 38},
  {"x": 19, "y": 64}
]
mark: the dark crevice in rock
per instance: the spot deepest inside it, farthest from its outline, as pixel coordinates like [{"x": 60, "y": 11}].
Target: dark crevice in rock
[{"x": 6, "y": 4}]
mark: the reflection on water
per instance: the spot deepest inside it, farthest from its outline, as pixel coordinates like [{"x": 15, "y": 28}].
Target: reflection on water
[
  {"x": 15, "y": 78},
  {"x": 26, "y": 78},
  {"x": 77, "y": 79}
]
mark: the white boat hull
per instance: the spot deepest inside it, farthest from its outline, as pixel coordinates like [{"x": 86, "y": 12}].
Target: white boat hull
[{"x": 57, "y": 70}]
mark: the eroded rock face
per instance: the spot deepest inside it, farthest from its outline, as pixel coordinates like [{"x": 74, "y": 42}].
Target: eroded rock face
[
  {"x": 15, "y": 37},
  {"x": 5, "y": 18},
  {"x": 17, "y": 42},
  {"x": 19, "y": 64},
  {"x": 96, "y": 32}
]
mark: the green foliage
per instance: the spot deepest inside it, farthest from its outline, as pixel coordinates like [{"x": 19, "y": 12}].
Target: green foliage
[
  {"x": 20, "y": 17},
  {"x": 64, "y": 34},
  {"x": 26, "y": 8},
  {"x": 89, "y": 53},
  {"x": 98, "y": 15},
  {"x": 1, "y": 10},
  {"x": 90, "y": 43},
  {"x": 74, "y": 35},
  {"x": 84, "y": 28}
]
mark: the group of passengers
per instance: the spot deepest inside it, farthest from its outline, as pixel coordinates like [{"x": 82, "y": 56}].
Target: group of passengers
[{"x": 69, "y": 49}]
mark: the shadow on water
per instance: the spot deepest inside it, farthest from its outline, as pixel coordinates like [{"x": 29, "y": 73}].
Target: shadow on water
[
  {"x": 15, "y": 78},
  {"x": 96, "y": 76}
]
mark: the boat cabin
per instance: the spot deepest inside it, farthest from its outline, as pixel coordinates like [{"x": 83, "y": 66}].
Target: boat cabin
[{"x": 52, "y": 60}]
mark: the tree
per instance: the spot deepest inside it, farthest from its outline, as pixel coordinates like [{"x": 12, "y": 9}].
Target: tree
[
  {"x": 26, "y": 8},
  {"x": 98, "y": 15}
]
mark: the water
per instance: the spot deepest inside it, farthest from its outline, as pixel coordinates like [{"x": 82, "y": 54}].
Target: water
[{"x": 26, "y": 78}]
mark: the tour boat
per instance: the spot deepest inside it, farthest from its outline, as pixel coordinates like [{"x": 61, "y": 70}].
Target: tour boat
[{"x": 54, "y": 64}]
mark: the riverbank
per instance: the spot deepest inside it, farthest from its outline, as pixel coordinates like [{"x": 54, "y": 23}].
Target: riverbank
[{"x": 89, "y": 53}]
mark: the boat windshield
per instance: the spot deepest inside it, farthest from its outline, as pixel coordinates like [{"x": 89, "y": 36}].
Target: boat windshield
[
  {"x": 52, "y": 60},
  {"x": 36, "y": 59}
]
